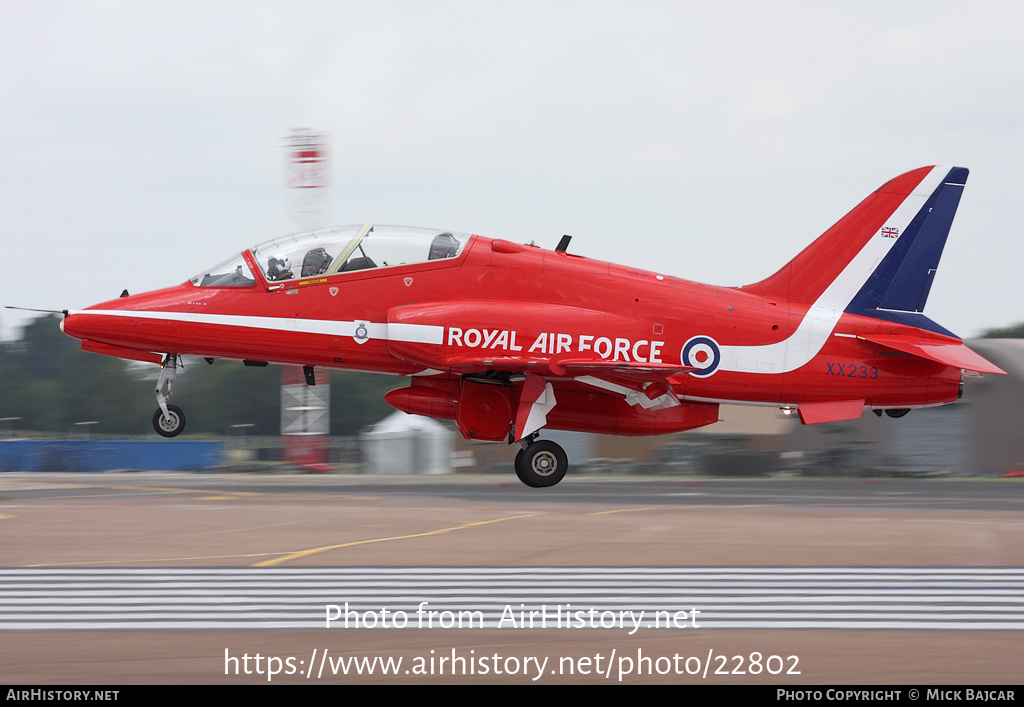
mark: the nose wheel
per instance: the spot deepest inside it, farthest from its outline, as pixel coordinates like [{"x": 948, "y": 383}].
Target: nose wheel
[
  {"x": 168, "y": 420},
  {"x": 541, "y": 463},
  {"x": 169, "y": 424}
]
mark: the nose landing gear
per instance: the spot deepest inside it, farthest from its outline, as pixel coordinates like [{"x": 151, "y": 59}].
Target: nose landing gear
[
  {"x": 168, "y": 420},
  {"x": 541, "y": 463}
]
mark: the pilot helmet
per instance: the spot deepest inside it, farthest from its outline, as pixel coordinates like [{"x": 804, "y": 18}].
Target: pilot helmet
[{"x": 279, "y": 266}]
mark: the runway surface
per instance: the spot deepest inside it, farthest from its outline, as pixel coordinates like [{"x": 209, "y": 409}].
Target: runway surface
[{"x": 166, "y": 577}]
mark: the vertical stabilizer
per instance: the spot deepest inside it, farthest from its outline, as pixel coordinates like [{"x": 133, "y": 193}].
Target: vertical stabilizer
[{"x": 881, "y": 258}]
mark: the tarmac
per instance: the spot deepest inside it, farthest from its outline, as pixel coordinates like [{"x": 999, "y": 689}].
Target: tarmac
[{"x": 154, "y": 520}]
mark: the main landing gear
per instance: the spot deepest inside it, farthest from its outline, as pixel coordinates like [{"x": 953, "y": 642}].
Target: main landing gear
[
  {"x": 896, "y": 413},
  {"x": 168, "y": 420},
  {"x": 540, "y": 463}
]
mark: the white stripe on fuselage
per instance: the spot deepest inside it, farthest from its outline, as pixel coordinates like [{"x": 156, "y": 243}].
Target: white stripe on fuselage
[
  {"x": 414, "y": 333},
  {"x": 822, "y": 317}
]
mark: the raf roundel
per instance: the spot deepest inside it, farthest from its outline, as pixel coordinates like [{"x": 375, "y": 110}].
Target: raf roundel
[{"x": 701, "y": 352}]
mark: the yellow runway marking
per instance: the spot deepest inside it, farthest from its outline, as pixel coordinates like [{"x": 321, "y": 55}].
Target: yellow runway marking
[
  {"x": 622, "y": 510},
  {"x": 277, "y": 557},
  {"x": 178, "y": 490},
  {"x": 313, "y": 551}
]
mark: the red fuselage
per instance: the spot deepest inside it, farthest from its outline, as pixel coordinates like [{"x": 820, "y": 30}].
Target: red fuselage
[{"x": 504, "y": 306}]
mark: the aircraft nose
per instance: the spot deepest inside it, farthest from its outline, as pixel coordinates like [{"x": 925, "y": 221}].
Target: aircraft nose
[
  {"x": 76, "y": 325},
  {"x": 68, "y": 325}
]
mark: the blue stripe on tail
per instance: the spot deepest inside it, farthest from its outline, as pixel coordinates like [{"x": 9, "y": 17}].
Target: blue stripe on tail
[{"x": 898, "y": 289}]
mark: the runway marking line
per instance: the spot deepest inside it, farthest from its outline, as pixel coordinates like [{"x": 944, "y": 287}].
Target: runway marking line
[
  {"x": 171, "y": 489},
  {"x": 439, "y": 531},
  {"x": 656, "y": 508},
  {"x": 622, "y": 510}
]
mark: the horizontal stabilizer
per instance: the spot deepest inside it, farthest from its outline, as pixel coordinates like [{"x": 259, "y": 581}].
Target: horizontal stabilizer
[
  {"x": 832, "y": 411},
  {"x": 950, "y": 354}
]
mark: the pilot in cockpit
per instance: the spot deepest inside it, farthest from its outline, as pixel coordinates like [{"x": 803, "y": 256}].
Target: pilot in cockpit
[{"x": 279, "y": 267}]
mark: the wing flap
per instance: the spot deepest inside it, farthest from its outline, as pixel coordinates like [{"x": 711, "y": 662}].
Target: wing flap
[
  {"x": 646, "y": 384},
  {"x": 625, "y": 370},
  {"x": 568, "y": 368}
]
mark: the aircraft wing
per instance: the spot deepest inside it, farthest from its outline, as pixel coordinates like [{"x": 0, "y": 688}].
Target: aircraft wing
[
  {"x": 949, "y": 353},
  {"x": 624, "y": 371},
  {"x": 644, "y": 384},
  {"x": 638, "y": 372},
  {"x": 568, "y": 368}
]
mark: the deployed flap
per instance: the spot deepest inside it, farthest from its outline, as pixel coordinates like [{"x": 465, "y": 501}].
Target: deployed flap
[
  {"x": 950, "y": 354},
  {"x": 812, "y": 413},
  {"x": 626, "y": 370},
  {"x": 645, "y": 384},
  {"x": 474, "y": 363},
  {"x": 652, "y": 396}
]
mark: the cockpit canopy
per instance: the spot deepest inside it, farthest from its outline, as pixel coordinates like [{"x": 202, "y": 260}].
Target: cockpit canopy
[{"x": 336, "y": 250}]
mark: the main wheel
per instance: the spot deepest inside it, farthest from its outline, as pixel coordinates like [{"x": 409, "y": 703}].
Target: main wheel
[
  {"x": 519, "y": 469},
  {"x": 172, "y": 424},
  {"x": 899, "y": 412},
  {"x": 542, "y": 463}
]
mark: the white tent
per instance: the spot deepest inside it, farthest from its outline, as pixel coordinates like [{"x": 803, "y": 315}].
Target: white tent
[{"x": 407, "y": 444}]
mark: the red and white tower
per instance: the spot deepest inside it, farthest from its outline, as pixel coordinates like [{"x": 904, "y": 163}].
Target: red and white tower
[
  {"x": 308, "y": 174},
  {"x": 306, "y": 395}
]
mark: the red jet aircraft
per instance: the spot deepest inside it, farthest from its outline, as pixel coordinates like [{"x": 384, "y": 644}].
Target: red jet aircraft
[{"x": 507, "y": 339}]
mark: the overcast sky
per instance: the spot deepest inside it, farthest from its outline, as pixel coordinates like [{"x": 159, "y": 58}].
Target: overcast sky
[{"x": 141, "y": 142}]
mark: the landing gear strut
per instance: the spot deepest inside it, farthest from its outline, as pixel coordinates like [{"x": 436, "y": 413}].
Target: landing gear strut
[
  {"x": 168, "y": 420},
  {"x": 541, "y": 463}
]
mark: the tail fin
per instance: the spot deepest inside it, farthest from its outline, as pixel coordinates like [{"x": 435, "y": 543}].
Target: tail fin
[{"x": 880, "y": 259}]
